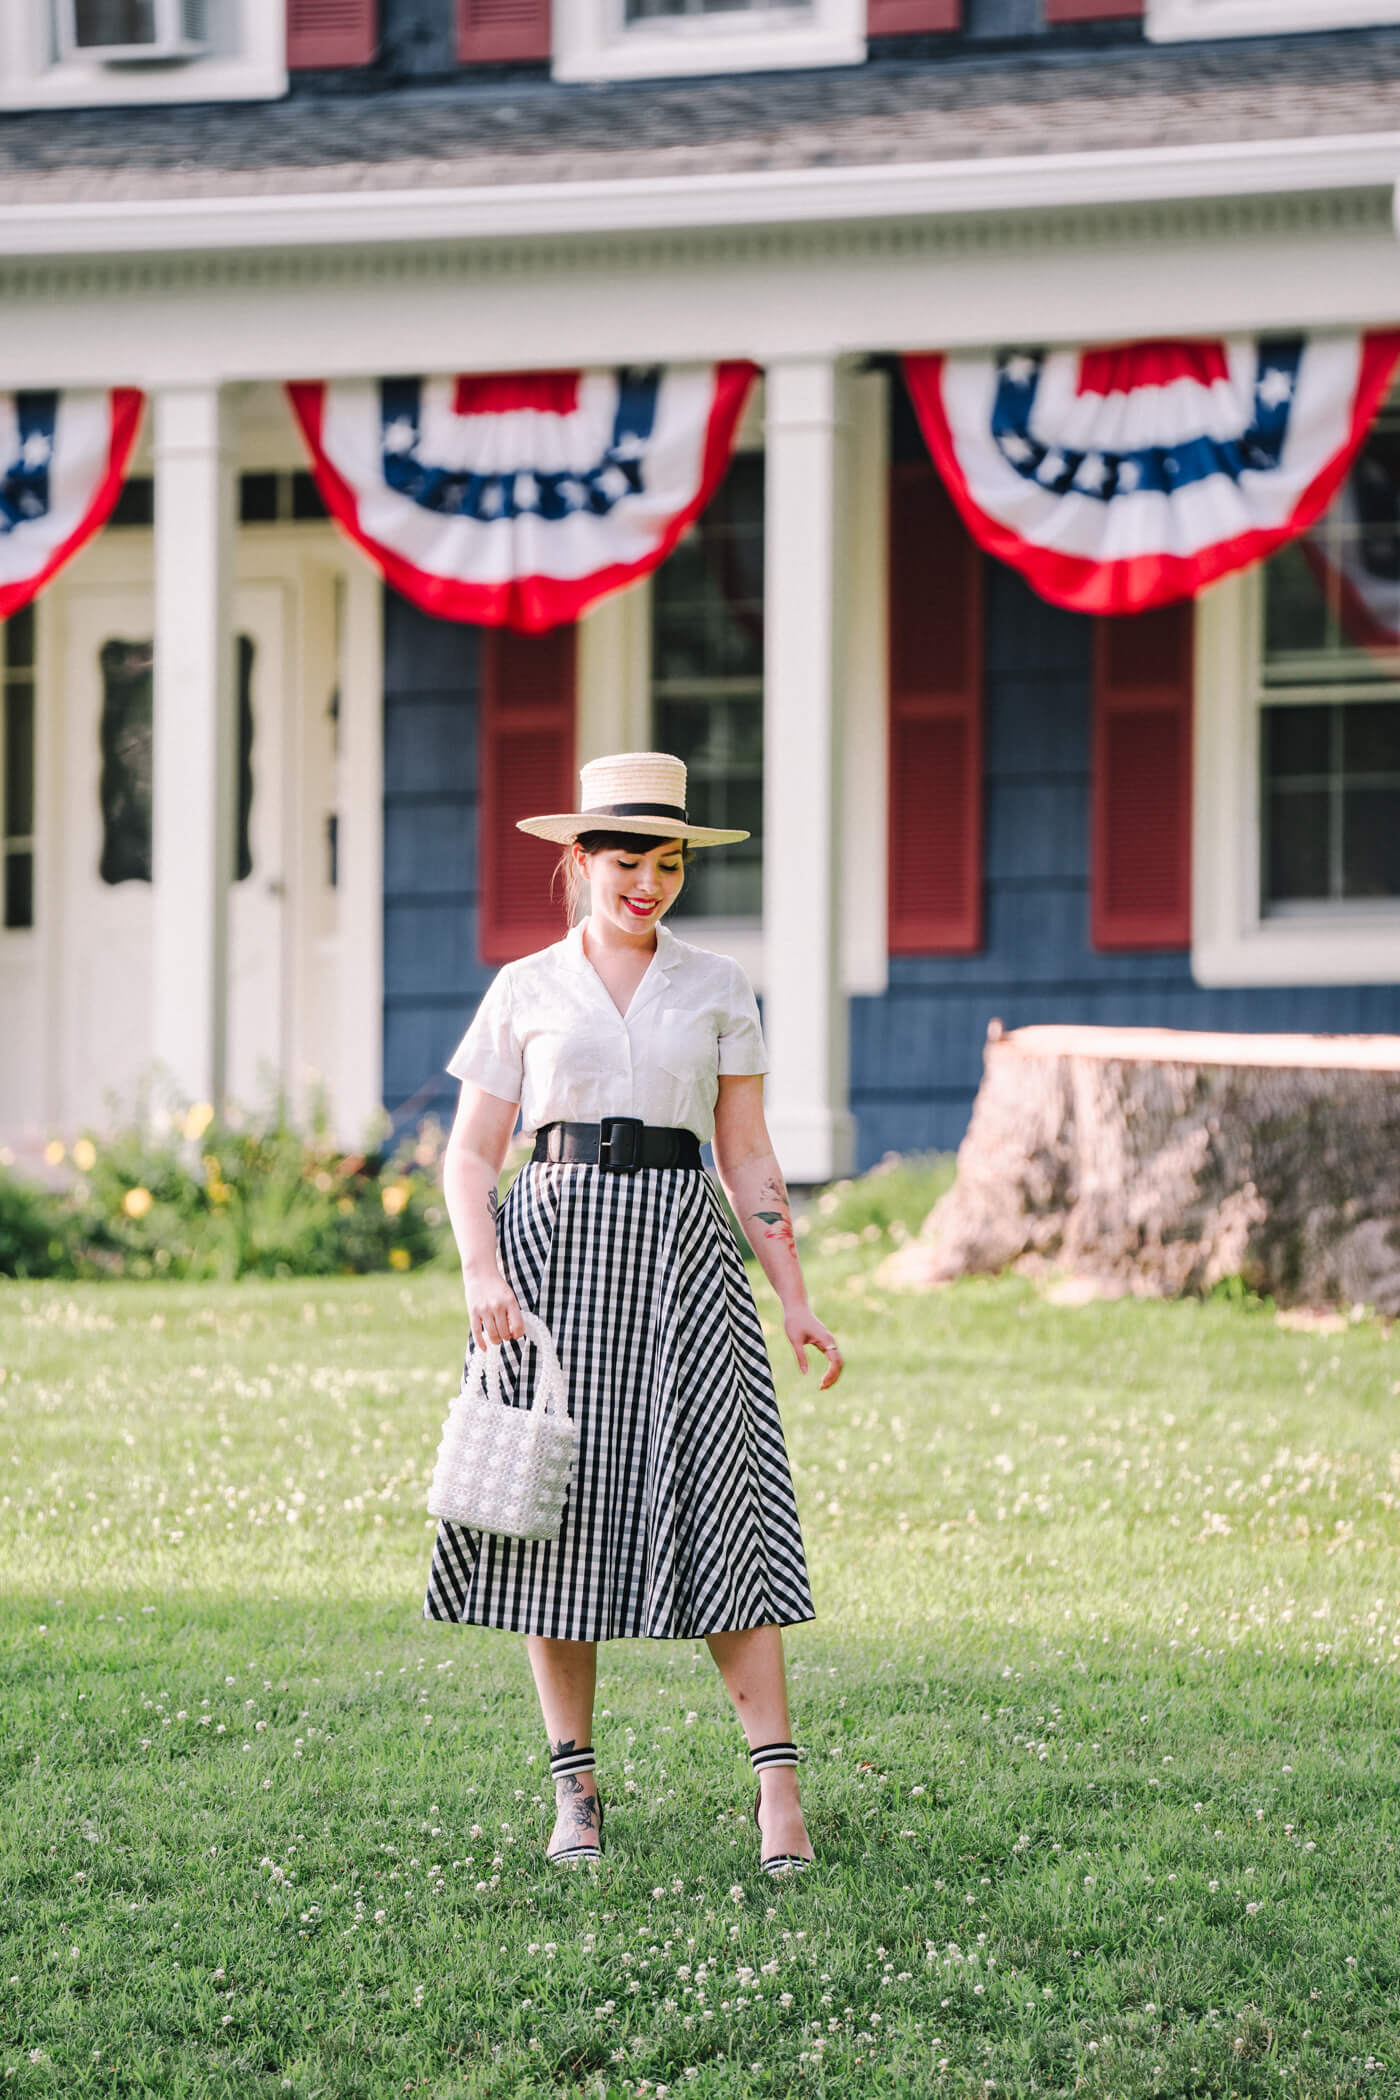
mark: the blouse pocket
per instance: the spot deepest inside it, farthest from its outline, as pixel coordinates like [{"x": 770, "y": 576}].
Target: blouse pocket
[{"x": 686, "y": 1045}]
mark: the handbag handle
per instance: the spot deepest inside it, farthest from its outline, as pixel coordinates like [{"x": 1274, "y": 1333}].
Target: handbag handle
[{"x": 550, "y": 1388}]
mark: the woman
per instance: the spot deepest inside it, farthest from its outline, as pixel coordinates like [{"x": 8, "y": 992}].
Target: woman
[{"x": 625, "y": 1049}]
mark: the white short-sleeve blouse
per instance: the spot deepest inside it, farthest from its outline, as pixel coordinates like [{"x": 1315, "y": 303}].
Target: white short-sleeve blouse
[{"x": 548, "y": 1035}]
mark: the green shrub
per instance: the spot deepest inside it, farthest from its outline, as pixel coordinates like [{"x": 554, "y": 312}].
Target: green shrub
[
  {"x": 190, "y": 1195},
  {"x": 33, "y": 1229}
]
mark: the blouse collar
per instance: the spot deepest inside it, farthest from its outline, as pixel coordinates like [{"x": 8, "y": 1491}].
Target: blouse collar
[{"x": 665, "y": 960}]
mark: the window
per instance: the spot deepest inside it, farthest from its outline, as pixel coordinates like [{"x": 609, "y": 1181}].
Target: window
[
  {"x": 654, "y": 10},
  {"x": 287, "y": 498},
  {"x": 68, "y": 54},
  {"x": 1171, "y": 20},
  {"x": 638, "y": 39},
  {"x": 17, "y": 771},
  {"x": 1331, "y": 804},
  {"x": 707, "y": 687},
  {"x": 1298, "y": 726},
  {"x": 132, "y": 30},
  {"x": 127, "y": 778},
  {"x": 1329, "y": 739}
]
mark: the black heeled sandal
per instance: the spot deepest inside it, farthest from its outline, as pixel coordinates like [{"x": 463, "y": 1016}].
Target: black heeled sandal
[
  {"x": 763, "y": 1759},
  {"x": 567, "y": 1764}
]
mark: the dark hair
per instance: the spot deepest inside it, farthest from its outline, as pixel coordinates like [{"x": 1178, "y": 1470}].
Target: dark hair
[{"x": 605, "y": 842}]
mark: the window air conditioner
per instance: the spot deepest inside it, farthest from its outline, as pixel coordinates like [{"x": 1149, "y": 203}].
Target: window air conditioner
[{"x": 132, "y": 32}]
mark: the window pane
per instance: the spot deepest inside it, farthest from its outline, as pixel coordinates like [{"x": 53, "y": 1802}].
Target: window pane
[
  {"x": 1295, "y": 603},
  {"x": 1371, "y": 842},
  {"x": 114, "y": 21},
  {"x": 668, "y": 10},
  {"x": 124, "y": 788},
  {"x": 19, "y": 760},
  {"x": 19, "y": 890},
  {"x": 707, "y": 699},
  {"x": 1297, "y": 740},
  {"x": 1332, "y": 598},
  {"x": 257, "y": 499},
  {"x": 19, "y": 640},
  {"x": 1296, "y": 854},
  {"x": 307, "y": 501},
  {"x": 136, "y": 504},
  {"x": 1371, "y": 738}
]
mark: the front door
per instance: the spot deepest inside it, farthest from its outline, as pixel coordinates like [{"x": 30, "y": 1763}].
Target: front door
[{"x": 104, "y": 1030}]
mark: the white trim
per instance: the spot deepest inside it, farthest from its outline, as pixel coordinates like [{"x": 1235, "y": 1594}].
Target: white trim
[
  {"x": 806, "y": 574},
  {"x": 1232, "y": 942},
  {"x": 863, "y": 703},
  {"x": 1169, "y": 21},
  {"x": 506, "y": 212},
  {"x": 32, "y": 78},
  {"x": 594, "y": 41},
  {"x": 358, "y": 1086}
]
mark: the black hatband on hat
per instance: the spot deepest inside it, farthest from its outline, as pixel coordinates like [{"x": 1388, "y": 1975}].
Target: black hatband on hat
[{"x": 638, "y": 809}]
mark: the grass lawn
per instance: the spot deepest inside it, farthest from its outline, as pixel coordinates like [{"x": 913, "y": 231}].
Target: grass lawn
[{"x": 1101, "y": 1717}]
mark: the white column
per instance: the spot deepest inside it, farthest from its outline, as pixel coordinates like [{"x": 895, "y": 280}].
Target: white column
[
  {"x": 193, "y": 736},
  {"x": 805, "y": 1018},
  {"x": 359, "y": 1067}
]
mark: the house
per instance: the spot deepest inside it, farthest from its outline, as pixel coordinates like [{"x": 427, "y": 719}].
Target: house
[{"x": 258, "y": 803}]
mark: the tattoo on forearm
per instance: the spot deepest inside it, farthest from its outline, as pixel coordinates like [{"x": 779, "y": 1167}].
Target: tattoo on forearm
[
  {"x": 776, "y": 1220},
  {"x": 493, "y": 1204}
]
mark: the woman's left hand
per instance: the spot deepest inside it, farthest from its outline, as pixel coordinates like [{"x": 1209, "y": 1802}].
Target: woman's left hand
[{"x": 804, "y": 1330}]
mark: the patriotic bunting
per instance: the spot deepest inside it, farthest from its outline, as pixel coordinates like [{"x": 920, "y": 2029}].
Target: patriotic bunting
[
  {"x": 63, "y": 458},
  {"x": 1122, "y": 478},
  {"x": 518, "y": 499}
]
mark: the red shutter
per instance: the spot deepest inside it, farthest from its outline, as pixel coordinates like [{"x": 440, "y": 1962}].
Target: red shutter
[
  {"x": 907, "y": 17},
  {"x": 489, "y": 30},
  {"x": 1057, "y": 11},
  {"x": 935, "y": 782},
  {"x": 1141, "y": 877},
  {"x": 527, "y": 769},
  {"x": 332, "y": 32}
]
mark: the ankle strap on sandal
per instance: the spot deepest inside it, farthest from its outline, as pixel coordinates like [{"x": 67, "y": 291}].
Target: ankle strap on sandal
[
  {"x": 765, "y": 1755},
  {"x": 566, "y": 1762}
]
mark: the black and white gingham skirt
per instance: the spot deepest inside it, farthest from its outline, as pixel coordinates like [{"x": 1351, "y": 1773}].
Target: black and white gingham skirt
[{"x": 681, "y": 1520}]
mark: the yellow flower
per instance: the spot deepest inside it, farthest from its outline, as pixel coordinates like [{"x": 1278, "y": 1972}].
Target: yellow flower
[
  {"x": 198, "y": 1119},
  {"x": 394, "y": 1197},
  {"x": 85, "y": 1155},
  {"x": 218, "y": 1191},
  {"x": 55, "y": 1152},
  {"x": 136, "y": 1202},
  {"x": 400, "y": 1258}
]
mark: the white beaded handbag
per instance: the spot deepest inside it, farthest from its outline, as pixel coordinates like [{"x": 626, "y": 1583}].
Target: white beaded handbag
[{"x": 507, "y": 1469}]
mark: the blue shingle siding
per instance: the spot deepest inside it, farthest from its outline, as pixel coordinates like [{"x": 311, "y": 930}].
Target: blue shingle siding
[
  {"x": 432, "y": 974},
  {"x": 916, "y": 1051}
]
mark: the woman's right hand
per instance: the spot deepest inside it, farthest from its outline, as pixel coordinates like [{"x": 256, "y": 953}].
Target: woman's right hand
[{"x": 494, "y": 1309}]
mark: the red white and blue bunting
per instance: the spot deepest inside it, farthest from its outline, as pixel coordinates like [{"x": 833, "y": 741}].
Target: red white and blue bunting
[
  {"x": 518, "y": 499},
  {"x": 63, "y": 459},
  {"x": 1130, "y": 476}
]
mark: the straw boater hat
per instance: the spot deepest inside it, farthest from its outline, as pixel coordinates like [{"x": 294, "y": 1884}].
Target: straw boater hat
[{"x": 634, "y": 791}]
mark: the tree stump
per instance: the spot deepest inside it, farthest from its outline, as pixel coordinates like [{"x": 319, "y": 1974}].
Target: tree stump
[{"x": 1160, "y": 1161}]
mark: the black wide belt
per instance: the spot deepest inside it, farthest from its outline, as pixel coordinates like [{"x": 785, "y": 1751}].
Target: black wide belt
[{"x": 618, "y": 1144}]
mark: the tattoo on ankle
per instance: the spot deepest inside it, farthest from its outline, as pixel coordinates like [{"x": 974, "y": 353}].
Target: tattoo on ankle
[
  {"x": 564, "y": 1745},
  {"x": 584, "y": 1813}
]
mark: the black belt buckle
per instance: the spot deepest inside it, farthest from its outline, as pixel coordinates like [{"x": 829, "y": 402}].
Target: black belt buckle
[{"x": 620, "y": 1143}]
